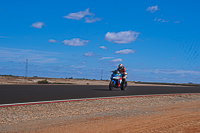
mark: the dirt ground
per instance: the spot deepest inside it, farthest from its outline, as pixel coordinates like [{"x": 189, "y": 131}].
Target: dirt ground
[
  {"x": 177, "y": 119},
  {"x": 171, "y": 114}
]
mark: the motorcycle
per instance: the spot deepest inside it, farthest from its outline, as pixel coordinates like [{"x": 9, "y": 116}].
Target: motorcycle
[{"x": 116, "y": 81}]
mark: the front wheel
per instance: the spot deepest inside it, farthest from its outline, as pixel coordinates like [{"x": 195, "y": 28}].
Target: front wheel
[
  {"x": 111, "y": 85},
  {"x": 123, "y": 86}
]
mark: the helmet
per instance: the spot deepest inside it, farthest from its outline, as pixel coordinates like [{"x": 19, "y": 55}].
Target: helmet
[{"x": 120, "y": 66}]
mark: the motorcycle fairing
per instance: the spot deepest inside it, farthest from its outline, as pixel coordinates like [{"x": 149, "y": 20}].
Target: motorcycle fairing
[{"x": 117, "y": 78}]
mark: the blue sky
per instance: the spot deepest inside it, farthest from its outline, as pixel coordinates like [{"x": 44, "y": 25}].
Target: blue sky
[{"x": 156, "y": 41}]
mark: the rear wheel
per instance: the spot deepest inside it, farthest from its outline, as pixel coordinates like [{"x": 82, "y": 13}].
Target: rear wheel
[{"x": 111, "y": 85}]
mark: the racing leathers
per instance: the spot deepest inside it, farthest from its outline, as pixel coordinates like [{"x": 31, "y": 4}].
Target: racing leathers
[{"x": 122, "y": 70}]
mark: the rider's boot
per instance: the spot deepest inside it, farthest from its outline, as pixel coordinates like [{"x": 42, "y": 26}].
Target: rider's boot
[{"x": 123, "y": 80}]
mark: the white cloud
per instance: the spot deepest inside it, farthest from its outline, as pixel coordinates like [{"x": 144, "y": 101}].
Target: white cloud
[
  {"x": 121, "y": 37},
  {"x": 48, "y": 60},
  {"x": 4, "y": 37},
  {"x": 152, "y": 9},
  {"x": 20, "y": 55},
  {"x": 75, "y": 66},
  {"x": 79, "y": 72},
  {"x": 51, "y": 40},
  {"x": 88, "y": 54},
  {"x": 91, "y": 19},
  {"x": 75, "y": 42},
  {"x": 79, "y": 15},
  {"x": 176, "y": 21},
  {"x": 125, "y": 51},
  {"x": 37, "y": 25},
  {"x": 102, "y": 47},
  {"x": 116, "y": 60},
  {"x": 161, "y": 20},
  {"x": 174, "y": 71},
  {"x": 106, "y": 58},
  {"x": 168, "y": 71},
  {"x": 164, "y": 20}
]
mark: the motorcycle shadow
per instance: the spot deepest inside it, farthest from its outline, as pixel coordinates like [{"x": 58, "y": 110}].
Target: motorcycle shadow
[{"x": 107, "y": 89}]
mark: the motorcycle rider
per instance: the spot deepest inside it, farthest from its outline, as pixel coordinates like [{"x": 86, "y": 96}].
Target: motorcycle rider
[{"x": 122, "y": 70}]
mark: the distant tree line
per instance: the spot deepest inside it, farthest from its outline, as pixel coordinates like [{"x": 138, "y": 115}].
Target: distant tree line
[{"x": 9, "y": 75}]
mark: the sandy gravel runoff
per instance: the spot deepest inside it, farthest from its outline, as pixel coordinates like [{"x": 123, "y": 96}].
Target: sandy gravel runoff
[{"x": 179, "y": 113}]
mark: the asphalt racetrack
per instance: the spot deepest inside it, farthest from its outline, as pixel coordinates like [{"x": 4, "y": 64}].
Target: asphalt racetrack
[{"x": 33, "y": 93}]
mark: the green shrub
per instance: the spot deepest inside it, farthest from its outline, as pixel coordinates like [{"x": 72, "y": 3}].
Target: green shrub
[{"x": 43, "y": 82}]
